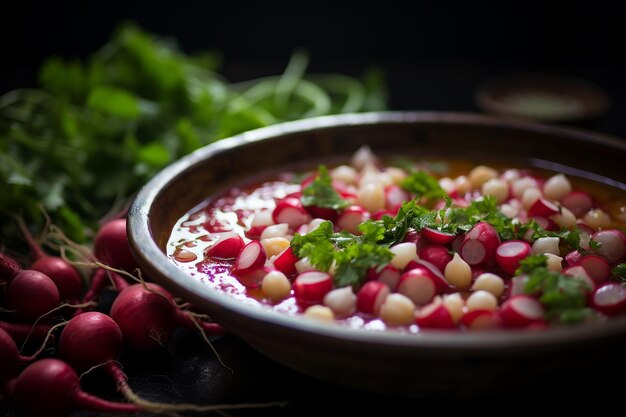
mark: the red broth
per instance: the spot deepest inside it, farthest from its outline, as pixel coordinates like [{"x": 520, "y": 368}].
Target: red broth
[{"x": 404, "y": 307}]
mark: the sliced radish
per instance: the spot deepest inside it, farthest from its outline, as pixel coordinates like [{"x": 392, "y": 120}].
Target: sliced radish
[
  {"x": 437, "y": 236},
  {"x": 227, "y": 246},
  {"x": 310, "y": 287},
  {"x": 545, "y": 223},
  {"x": 543, "y": 207},
  {"x": 290, "y": 210},
  {"x": 573, "y": 258},
  {"x": 252, "y": 256},
  {"x": 381, "y": 213},
  {"x": 580, "y": 273},
  {"x": 457, "y": 242},
  {"x": 437, "y": 255},
  {"x": 521, "y": 311},
  {"x": 325, "y": 213},
  {"x": 517, "y": 285},
  {"x": 419, "y": 285},
  {"x": 613, "y": 244},
  {"x": 371, "y": 296},
  {"x": 394, "y": 197},
  {"x": 481, "y": 320},
  {"x": 510, "y": 253},
  {"x": 480, "y": 244},
  {"x": 351, "y": 217},
  {"x": 254, "y": 278},
  {"x": 579, "y": 202},
  {"x": 437, "y": 276},
  {"x": 389, "y": 275},
  {"x": 275, "y": 230},
  {"x": 254, "y": 232},
  {"x": 434, "y": 316},
  {"x": 597, "y": 267},
  {"x": 285, "y": 262},
  {"x": 610, "y": 298}
]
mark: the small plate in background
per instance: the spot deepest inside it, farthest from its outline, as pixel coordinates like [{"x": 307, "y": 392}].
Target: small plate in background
[{"x": 544, "y": 98}]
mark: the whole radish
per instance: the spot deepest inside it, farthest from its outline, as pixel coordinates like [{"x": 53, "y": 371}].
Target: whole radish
[
  {"x": 9, "y": 358},
  {"x": 9, "y": 267},
  {"x": 20, "y": 332},
  {"x": 30, "y": 295},
  {"x": 111, "y": 246},
  {"x": 99, "y": 280},
  {"x": 51, "y": 388},
  {"x": 65, "y": 276}
]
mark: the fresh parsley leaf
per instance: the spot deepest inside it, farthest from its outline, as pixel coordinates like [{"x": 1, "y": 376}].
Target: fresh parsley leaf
[
  {"x": 320, "y": 192},
  {"x": 530, "y": 263},
  {"x": 423, "y": 185},
  {"x": 619, "y": 272},
  {"x": 354, "y": 261},
  {"x": 594, "y": 244}
]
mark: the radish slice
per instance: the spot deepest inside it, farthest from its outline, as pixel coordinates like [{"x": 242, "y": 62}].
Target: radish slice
[
  {"x": 437, "y": 255},
  {"x": 254, "y": 232},
  {"x": 285, "y": 262},
  {"x": 252, "y": 256},
  {"x": 434, "y": 316},
  {"x": 351, "y": 217},
  {"x": 510, "y": 253},
  {"x": 545, "y": 223},
  {"x": 610, "y": 298},
  {"x": 573, "y": 258},
  {"x": 227, "y": 246},
  {"x": 310, "y": 287},
  {"x": 394, "y": 197},
  {"x": 419, "y": 285},
  {"x": 481, "y": 320},
  {"x": 437, "y": 236},
  {"x": 254, "y": 278},
  {"x": 480, "y": 244},
  {"x": 542, "y": 207},
  {"x": 613, "y": 244},
  {"x": 517, "y": 285},
  {"x": 390, "y": 275},
  {"x": 597, "y": 267},
  {"x": 290, "y": 210},
  {"x": 579, "y": 202},
  {"x": 521, "y": 311},
  {"x": 371, "y": 297},
  {"x": 580, "y": 273}
]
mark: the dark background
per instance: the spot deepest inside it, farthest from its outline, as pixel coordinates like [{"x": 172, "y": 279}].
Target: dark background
[{"x": 433, "y": 53}]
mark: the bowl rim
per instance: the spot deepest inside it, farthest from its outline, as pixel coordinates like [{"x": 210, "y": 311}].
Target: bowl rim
[{"x": 147, "y": 251}]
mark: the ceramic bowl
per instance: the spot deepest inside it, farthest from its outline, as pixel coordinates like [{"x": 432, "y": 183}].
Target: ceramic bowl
[{"x": 429, "y": 363}]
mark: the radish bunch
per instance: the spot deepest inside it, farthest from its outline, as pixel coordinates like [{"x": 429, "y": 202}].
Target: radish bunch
[{"x": 464, "y": 264}]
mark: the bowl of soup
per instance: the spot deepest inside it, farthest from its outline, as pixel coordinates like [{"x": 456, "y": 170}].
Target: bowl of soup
[{"x": 399, "y": 252}]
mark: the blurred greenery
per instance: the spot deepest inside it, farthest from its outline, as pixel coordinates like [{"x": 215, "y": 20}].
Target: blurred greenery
[{"x": 97, "y": 129}]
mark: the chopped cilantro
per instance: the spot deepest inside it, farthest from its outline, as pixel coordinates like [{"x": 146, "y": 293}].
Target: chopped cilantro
[
  {"x": 423, "y": 185},
  {"x": 320, "y": 192},
  {"x": 619, "y": 272}
]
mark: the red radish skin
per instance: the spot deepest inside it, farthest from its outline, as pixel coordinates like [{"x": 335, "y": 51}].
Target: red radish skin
[
  {"x": 613, "y": 244},
  {"x": 578, "y": 202},
  {"x": 580, "y": 273},
  {"x": 437, "y": 237},
  {"x": 573, "y": 258},
  {"x": 510, "y": 253},
  {"x": 20, "y": 332},
  {"x": 50, "y": 387},
  {"x": 254, "y": 232},
  {"x": 371, "y": 297},
  {"x": 251, "y": 257},
  {"x": 9, "y": 267},
  {"x": 394, "y": 197},
  {"x": 389, "y": 275},
  {"x": 521, "y": 311},
  {"x": 434, "y": 316},
  {"x": 480, "y": 244},
  {"x": 290, "y": 210},
  {"x": 285, "y": 262},
  {"x": 351, "y": 217},
  {"x": 30, "y": 295},
  {"x": 111, "y": 246},
  {"x": 597, "y": 267},
  {"x": 419, "y": 285},
  {"x": 481, "y": 320},
  {"x": 542, "y": 207},
  {"x": 310, "y": 287},
  {"x": 254, "y": 278},
  {"x": 546, "y": 223},
  {"x": 227, "y": 246},
  {"x": 610, "y": 298},
  {"x": 435, "y": 254},
  {"x": 9, "y": 358}
]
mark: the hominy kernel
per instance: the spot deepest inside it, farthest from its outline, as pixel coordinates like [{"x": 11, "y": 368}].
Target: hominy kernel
[
  {"x": 345, "y": 174},
  {"x": 403, "y": 253},
  {"x": 274, "y": 245},
  {"x": 276, "y": 285},
  {"x": 371, "y": 197},
  {"x": 555, "y": 263},
  {"x": 530, "y": 196},
  {"x": 496, "y": 188},
  {"x": 564, "y": 219},
  {"x": 454, "y": 303},
  {"x": 597, "y": 219},
  {"x": 546, "y": 245},
  {"x": 519, "y": 186},
  {"x": 557, "y": 187},
  {"x": 397, "y": 310},
  {"x": 458, "y": 273},
  {"x": 481, "y": 174},
  {"x": 489, "y": 282},
  {"x": 320, "y": 312},
  {"x": 481, "y": 300}
]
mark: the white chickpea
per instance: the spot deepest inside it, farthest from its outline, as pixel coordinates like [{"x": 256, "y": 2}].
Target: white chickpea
[
  {"x": 481, "y": 174},
  {"x": 597, "y": 219},
  {"x": 565, "y": 219},
  {"x": 345, "y": 174},
  {"x": 497, "y": 188},
  {"x": 458, "y": 273},
  {"x": 275, "y": 230},
  {"x": 546, "y": 245},
  {"x": 274, "y": 245},
  {"x": 372, "y": 197},
  {"x": 341, "y": 300},
  {"x": 320, "y": 312},
  {"x": 481, "y": 300},
  {"x": 557, "y": 187},
  {"x": 519, "y": 186},
  {"x": 275, "y": 285},
  {"x": 454, "y": 303},
  {"x": 555, "y": 263},
  {"x": 530, "y": 196},
  {"x": 397, "y": 310},
  {"x": 489, "y": 282},
  {"x": 403, "y": 253}
]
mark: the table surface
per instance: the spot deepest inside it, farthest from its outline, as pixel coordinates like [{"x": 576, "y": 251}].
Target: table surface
[{"x": 188, "y": 371}]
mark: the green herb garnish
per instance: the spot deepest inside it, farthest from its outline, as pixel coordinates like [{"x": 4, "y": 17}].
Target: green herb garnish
[
  {"x": 619, "y": 273},
  {"x": 320, "y": 192},
  {"x": 423, "y": 186}
]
